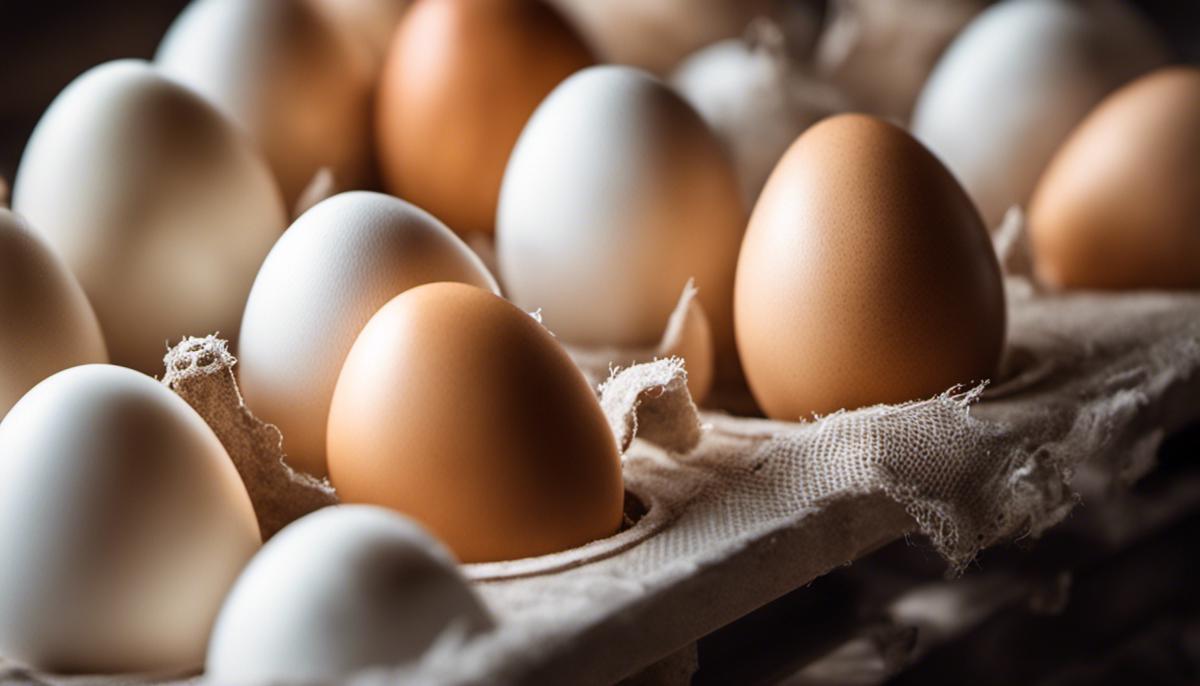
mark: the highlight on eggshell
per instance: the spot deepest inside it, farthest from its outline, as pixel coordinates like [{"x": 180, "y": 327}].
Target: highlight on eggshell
[
  {"x": 294, "y": 82},
  {"x": 328, "y": 274},
  {"x": 461, "y": 79},
  {"x": 602, "y": 231},
  {"x": 1011, "y": 87},
  {"x": 460, "y": 410},
  {"x": 123, "y": 525},
  {"x": 46, "y": 321},
  {"x": 866, "y": 276},
  {"x": 1118, "y": 207},
  {"x": 155, "y": 202},
  {"x": 394, "y": 592}
]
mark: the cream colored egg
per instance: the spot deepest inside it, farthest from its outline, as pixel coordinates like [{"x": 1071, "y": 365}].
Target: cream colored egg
[
  {"x": 336, "y": 265},
  {"x": 46, "y": 322},
  {"x": 287, "y": 75},
  {"x": 756, "y": 97},
  {"x": 123, "y": 524},
  {"x": 156, "y": 203},
  {"x": 370, "y": 23},
  {"x": 1010, "y": 88},
  {"x": 617, "y": 194},
  {"x": 344, "y": 589},
  {"x": 657, "y": 34}
]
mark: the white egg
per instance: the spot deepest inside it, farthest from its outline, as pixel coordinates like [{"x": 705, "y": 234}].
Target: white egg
[
  {"x": 340, "y": 590},
  {"x": 756, "y": 97},
  {"x": 616, "y": 194},
  {"x": 46, "y": 321},
  {"x": 338, "y": 263},
  {"x": 284, "y": 72},
  {"x": 123, "y": 524},
  {"x": 1015, "y": 82},
  {"x": 155, "y": 201}
]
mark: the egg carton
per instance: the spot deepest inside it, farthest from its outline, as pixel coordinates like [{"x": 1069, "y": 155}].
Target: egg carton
[{"x": 727, "y": 513}]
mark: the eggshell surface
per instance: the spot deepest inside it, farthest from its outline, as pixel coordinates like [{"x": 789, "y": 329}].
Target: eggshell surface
[
  {"x": 616, "y": 194},
  {"x": 461, "y": 79},
  {"x": 288, "y": 76},
  {"x": 46, "y": 321},
  {"x": 123, "y": 525},
  {"x": 866, "y": 276},
  {"x": 338, "y": 591},
  {"x": 154, "y": 201},
  {"x": 1012, "y": 86},
  {"x": 329, "y": 273},
  {"x": 756, "y": 98},
  {"x": 369, "y": 23},
  {"x": 1119, "y": 205},
  {"x": 460, "y": 410}
]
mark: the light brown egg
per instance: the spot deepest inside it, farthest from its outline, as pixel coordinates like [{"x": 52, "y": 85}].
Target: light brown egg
[
  {"x": 866, "y": 276},
  {"x": 461, "y": 80},
  {"x": 460, "y": 410},
  {"x": 1119, "y": 205}
]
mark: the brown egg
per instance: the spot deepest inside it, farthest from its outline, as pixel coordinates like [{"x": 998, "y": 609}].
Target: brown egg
[
  {"x": 461, "y": 79},
  {"x": 1119, "y": 205},
  {"x": 460, "y": 410},
  {"x": 866, "y": 276}
]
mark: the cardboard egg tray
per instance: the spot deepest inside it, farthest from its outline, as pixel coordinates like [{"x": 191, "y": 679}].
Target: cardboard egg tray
[{"x": 722, "y": 527}]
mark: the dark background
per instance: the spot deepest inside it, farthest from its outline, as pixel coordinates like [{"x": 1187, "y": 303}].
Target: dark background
[{"x": 46, "y": 43}]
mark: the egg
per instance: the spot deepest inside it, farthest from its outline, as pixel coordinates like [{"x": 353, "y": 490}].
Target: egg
[
  {"x": 338, "y": 263},
  {"x": 341, "y": 590},
  {"x": 461, "y": 411},
  {"x": 46, "y": 321},
  {"x": 657, "y": 34},
  {"x": 123, "y": 525},
  {"x": 370, "y": 23},
  {"x": 1010, "y": 88},
  {"x": 288, "y": 76},
  {"x": 155, "y": 202},
  {"x": 866, "y": 276},
  {"x": 879, "y": 53},
  {"x": 756, "y": 97},
  {"x": 461, "y": 79},
  {"x": 1118, "y": 205},
  {"x": 617, "y": 194}
]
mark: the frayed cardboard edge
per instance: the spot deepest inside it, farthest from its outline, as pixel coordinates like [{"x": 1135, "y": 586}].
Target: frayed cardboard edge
[{"x": 200, "y": 370}]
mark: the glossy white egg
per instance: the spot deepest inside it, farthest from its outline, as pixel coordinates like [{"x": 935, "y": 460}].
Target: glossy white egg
[
  {"x": 123, "y": 524},
  {"x": 340, "y": 590}
]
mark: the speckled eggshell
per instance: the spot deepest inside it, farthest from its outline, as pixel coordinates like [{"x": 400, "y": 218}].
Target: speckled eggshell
[
  {"x": 341, "y": 590},
  {"x": 1119, "y": 206},
  {"x": 460, "y": 410},
  {"x": 338, "y": 263},
  {"x": 46, "y": 321},
  {"x": 1012, "y": 86},
  {"x": 286, "y": 73},
  {"x": 459, "y": 82},
  {"x": 866, "y": 276},
  {"x": 160, "y": 208},
  {"x": 616, "y": 194},
  {"x": 123, "y": 524}
]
